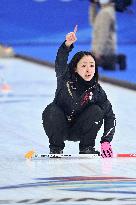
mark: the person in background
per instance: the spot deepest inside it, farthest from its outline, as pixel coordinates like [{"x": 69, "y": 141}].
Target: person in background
[
  {"x": 80, "y": 104},
  {"x": 6, "y": 52},
  {"x": 104, "y": 39}
]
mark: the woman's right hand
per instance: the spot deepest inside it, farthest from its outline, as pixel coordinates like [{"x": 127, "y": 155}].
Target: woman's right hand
[{"x": 71, "y": 37}]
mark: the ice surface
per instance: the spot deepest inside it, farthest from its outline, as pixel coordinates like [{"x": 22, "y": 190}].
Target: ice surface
[{"x": 59, "y": 181}]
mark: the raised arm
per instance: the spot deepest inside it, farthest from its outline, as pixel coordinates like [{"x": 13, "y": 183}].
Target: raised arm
[{"x": 63, "y": 53}]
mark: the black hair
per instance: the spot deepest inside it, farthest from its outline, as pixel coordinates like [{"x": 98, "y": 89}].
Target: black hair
[{"x": 77, "y": 57}]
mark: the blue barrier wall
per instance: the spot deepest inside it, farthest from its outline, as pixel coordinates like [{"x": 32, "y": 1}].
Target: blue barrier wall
[
  {"x": 24, "y": 20},
  {"x": 37, "y": 27}
]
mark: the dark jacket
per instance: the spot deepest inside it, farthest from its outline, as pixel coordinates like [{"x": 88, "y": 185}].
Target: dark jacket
[{"x": 73, "y": 97}]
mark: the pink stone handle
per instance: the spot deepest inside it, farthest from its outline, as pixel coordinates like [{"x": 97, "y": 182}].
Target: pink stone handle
[{"x": 106, "y": 150}]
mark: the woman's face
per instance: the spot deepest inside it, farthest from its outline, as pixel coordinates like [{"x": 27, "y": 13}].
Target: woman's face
[{"x": 86, "y": 67}]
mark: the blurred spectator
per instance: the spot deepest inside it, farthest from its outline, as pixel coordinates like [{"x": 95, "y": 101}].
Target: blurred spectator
[
  {"x": 122, "y": 5},
  {"x": 93, "y": 10},
  {"x": 6, "y": 51},
  {"x": 104, "y": 43}
]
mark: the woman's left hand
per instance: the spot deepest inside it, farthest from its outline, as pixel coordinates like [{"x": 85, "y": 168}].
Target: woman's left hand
[{"x": 106, "y": 150}]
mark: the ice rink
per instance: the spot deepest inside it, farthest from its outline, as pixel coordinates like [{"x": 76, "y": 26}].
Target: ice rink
[{"x": 59, "y": 181}]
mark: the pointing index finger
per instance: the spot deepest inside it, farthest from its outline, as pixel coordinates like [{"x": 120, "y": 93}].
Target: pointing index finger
[{"x": 75, "y": 29}]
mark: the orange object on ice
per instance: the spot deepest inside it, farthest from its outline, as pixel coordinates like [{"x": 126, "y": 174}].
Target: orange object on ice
[
  {"x": 5, "y": 88},
  {"x": 29, "y": 154}
]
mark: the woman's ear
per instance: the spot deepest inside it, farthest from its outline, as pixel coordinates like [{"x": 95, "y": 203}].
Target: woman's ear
[{"x": 75, "y": 70}]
